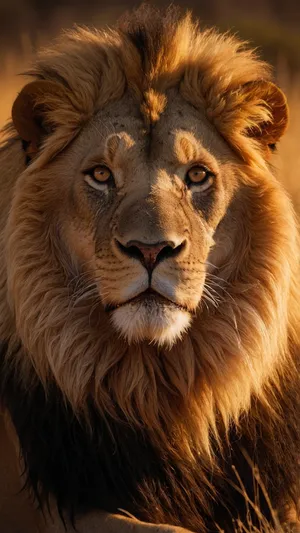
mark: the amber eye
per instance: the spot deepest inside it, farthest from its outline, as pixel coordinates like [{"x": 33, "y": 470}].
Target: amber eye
[
  {"x": 101, "y": 174},
  {"x": 200, "y": 176},
  {"x": 99, "y": 177}
]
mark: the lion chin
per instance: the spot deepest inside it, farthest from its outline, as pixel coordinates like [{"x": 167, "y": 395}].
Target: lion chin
[{"x": 151, "y": 319}]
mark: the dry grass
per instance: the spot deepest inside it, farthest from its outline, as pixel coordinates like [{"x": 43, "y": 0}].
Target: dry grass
[
  {"x": 288, "y": 163},
  {"x": 10, "y": 81}
]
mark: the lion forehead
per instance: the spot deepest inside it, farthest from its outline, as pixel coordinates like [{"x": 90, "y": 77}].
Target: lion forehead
[{"x": 121, "y": 128}]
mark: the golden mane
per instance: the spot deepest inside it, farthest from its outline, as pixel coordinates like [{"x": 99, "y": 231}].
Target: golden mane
[
  {"x": 150, "y": 53},
  {"x": 241, "y": 351}
]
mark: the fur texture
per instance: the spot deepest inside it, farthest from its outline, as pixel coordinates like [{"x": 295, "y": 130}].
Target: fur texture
[{"x": 151, "y": 428}]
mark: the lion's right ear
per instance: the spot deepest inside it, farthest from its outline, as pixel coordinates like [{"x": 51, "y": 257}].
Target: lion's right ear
[
  {"x": 267, "y": 96},
  {"x": 31, "y": 112}
]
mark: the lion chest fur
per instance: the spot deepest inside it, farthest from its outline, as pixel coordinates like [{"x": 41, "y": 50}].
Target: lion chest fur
[{"x": 110, "y": 465}]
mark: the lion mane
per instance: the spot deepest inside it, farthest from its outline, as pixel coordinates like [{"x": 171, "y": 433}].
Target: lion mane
[{"x": 171, "y": 434}]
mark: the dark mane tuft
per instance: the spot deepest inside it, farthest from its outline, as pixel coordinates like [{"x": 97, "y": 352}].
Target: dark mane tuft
[{"x": 147, "y": 28}]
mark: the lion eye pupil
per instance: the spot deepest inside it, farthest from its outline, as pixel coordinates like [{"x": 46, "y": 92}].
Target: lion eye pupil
[
  {"x": 101, "y": 174},
  {"x": 200, "y": 176}
]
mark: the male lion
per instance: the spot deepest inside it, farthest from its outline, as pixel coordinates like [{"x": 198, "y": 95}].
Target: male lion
[{"x": 149, "y": 317}]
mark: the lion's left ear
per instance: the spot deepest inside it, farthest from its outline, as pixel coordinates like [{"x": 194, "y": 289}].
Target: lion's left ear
[
  {"x": 32, "y": 113},
  {"x": 273, "y": 100}
]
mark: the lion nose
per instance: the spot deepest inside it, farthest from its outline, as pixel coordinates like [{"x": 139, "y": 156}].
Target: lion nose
[{"x": 151, "y": 254}]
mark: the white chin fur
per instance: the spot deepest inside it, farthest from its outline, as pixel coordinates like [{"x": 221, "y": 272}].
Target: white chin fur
[{"x": 158, "y": 323}]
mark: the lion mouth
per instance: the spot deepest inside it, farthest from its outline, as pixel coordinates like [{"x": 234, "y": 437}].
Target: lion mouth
[{"x": 147, "y": 298}]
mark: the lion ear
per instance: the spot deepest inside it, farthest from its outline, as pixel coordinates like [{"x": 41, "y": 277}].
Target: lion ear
[
  {"x": 31, "y": 112},
  {"x": 272, "y": 99}
]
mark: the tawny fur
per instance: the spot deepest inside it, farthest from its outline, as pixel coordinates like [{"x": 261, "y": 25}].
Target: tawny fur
[{"x": 240, "y": 350}]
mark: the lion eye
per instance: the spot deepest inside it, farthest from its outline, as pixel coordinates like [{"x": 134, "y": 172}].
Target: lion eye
[
  {"x": 99, "y": 177},
  {"x": 200, "y": 176},
  {"x": 100, "y": 174}
]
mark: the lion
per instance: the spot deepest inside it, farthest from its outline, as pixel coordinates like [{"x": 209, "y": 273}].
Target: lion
[{"x": 149, "y": 311}]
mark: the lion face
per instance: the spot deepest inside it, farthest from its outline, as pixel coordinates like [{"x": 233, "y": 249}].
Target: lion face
[{"x": 143, "y": 207}]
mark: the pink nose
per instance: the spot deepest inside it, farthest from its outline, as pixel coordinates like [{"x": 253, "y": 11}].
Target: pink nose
[{"x": 150, "y": 254}]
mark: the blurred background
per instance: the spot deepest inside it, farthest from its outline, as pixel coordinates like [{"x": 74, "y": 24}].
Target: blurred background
[{"x": 272, "y": 26}]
